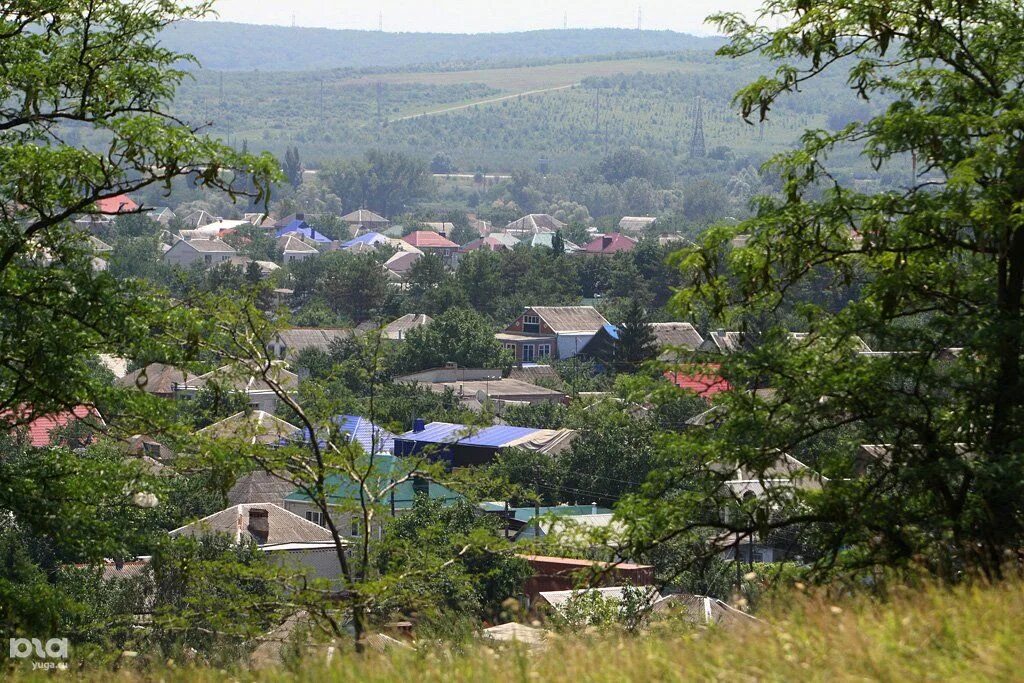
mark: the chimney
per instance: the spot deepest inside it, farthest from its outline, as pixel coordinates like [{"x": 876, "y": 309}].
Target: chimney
[
  {"x": 418, "y": 425},
  {"x": 259, "y": 524},
  {"x": 593, "y": 508},
  {"x": 300, "y": 216}
]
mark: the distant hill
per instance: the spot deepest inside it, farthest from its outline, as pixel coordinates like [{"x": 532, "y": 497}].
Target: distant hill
[{"x": 230, "y": 46}]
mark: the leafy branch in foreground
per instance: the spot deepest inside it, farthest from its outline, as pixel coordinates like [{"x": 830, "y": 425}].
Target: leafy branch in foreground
[{"x": 931, "y": 276}]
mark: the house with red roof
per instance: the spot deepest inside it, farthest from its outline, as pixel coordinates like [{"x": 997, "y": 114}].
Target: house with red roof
[
  {"x": 704, "y": 380},
  {"x": 610, "y": 244},
  {"x": 429, "y": 242},
  {"x": 39, "y": 431},
  {"x": 112, "y": 206}
]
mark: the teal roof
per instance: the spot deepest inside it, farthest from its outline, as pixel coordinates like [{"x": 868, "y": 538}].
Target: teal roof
[{"x": 343, "y": 490}]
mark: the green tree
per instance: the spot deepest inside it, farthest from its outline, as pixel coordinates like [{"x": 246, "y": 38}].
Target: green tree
[
  {"x": 386, "y": 182},
  {"x": 940, "y": 263},
  {"x": 636, "y": 343},
  {"x": 293, "y": 166},
  {"x": 458, "y": 336}
]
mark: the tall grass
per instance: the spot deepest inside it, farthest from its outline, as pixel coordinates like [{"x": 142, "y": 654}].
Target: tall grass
[{"x": 970, "y": 633}]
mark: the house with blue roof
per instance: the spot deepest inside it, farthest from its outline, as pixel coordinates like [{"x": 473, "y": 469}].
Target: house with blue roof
[
  {"x": 343, "y": 496},
  {"x": 602, "y": 347},
  {"x": 460, "y": 445},
  {"x": 302, "y": 228},
  {"x": 370, "y": 239},
  {"x": 372, "y": 438}
]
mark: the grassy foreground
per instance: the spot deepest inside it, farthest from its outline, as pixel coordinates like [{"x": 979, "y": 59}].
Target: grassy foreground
[{"x": 965, "y": 634}]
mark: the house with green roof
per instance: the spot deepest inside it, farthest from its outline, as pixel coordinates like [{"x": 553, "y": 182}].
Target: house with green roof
[{"x": 343, "y": 496}]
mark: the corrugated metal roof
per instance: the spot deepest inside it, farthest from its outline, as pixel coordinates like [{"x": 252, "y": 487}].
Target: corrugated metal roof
[
  {"x": 488, "y": 437},
  {"x": 372, "y": 438}
]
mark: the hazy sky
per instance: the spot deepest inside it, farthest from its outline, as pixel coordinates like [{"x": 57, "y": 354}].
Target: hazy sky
[{"x": 462, "y": 16}]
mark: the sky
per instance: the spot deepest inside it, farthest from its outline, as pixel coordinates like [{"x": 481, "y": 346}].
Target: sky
[{"x": 462, "y": 16}]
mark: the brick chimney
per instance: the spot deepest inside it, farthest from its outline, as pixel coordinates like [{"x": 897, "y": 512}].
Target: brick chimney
[{"x": 259, "y": 524}]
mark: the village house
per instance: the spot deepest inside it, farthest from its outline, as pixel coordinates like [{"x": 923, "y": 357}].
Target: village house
[
  {"x": 227, "y": 378},
  {"x": 495, "y": 242},
  {"x": 209, "y": 252},
  {"x": 157, "y": 379},
  {"x": 288, "y": 344},
  {"x": 287, "y": 539},
  {"x": 475, "y": 387},
  {"x": 254, "y": 427},
  {"x": 606, "y": 245},
  {"x": 636, "y": 224},
  {"x": 432, "y": 243},
  {"x": 367, "y": 220},
  {"x": 343, "y": 497},
  {"x": 293, "y": 249},
  {"x": 401, "y": 263},
  {"x": 534, "y": 223},
  {"x": 556, "y": 332},
  {"x": 459, "y": 445}
]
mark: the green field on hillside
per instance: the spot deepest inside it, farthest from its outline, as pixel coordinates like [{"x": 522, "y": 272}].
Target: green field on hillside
[{"x": 502, "y": 119}]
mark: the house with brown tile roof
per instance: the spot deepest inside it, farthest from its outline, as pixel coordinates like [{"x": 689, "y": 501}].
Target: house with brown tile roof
[{"x": 610, "y": 244}]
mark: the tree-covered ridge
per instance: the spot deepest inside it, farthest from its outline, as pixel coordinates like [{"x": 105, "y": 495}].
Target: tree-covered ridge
[{"x": 225, "y": 45}]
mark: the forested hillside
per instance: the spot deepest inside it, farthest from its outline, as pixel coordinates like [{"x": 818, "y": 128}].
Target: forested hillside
[{"x": 221, "y": 45}]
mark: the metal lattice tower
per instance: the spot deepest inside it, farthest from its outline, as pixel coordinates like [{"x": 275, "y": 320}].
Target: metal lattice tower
[{"x": 697, "y": 148}]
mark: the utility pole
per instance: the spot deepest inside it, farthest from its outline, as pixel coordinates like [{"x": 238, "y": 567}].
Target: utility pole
[
  {"x": 222, "y": 87},
  {"x": 380, "y": 21},
  {"x": 565, "y": 21},
  {"x": 640, "y": 17},
  {"x": 697, "y": 148}
]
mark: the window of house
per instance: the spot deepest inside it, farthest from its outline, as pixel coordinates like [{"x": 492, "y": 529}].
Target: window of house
[
  {"x": 420, "y": 487},
  {"x": 151, "y": 449},
  {"x": 531, "y": 324},
  {"x": 528, "y": 353},
  {"x": 208, "y": 259},
  {"x": 544, "y": 351},
  {"x": 355, "y": 527},
  {"x": 316, "y": 517}
]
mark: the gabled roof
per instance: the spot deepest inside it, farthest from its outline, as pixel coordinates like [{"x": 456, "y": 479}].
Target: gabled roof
[
  {"x": 559, "y": 599},
  {"x": 534, "y": 223},
  {"x": 240, "y": 379},
  {"x": 302, "y": 228},
  {"x": 370, "y": 238},
  {"x": 291, "y": 244},
  {"x": 490, "y": 243},
  {"x": 372, "y": 438},
  {"x": 296, "y": 339},
  {"x": 122, "y": 203},
  {"x": 341, "y": 490},
  {"x": 703, "y": 380},
  {"x": 681, "y": 335},
  {"x": 401, "y": 262},
  {"x": 259, "y": 487},
  {"x": 425, "y": 239},
  {"x": 564, "y": 319},
  {"x": 40, "y": 430},
  {"x": 284, "y": 526},
  {"x": 156, "y": 378},
  {"x": 451, "y": 433},
  {"x": 209, "y": 246},
  {"x": 363, "y": 216},
  {"x": 636, "y": 223},
  {"x": 396, "y": 330},
  {"x": 98, "y": 245},
  {"x": 610, "y": 244},
  {"x": 254, "y": 427},
  {"x": 444, "y": 227},
  {"x": 723, "y": 341},
  {"x": 547, "y": 239}
]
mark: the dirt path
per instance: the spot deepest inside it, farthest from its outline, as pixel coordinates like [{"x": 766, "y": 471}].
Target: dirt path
[{"x": 490, "y": 100}]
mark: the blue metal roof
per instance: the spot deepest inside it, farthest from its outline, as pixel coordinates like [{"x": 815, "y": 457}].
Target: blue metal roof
[
  {"x": 612, "y": 331},
  {"x": 303, "y": 229},
  {"x": 369, "y": 238},
  {"x": 365, "y": 433},
  {"x": 487, "y": 437}
]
